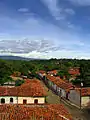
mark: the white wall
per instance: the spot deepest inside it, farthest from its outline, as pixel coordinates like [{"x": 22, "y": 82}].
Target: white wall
[
  {"x": 63, "y": 93},
  {"x": 54, "y": 86},
  {"x": 7, "y": 99},
  {"x": 30, "y": 100},
  {"x": 74, "y": 97},
  {"x": 40, "y": 75}
]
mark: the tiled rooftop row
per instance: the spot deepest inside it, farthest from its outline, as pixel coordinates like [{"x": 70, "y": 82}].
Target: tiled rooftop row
[
  {"x": 21, "y": 112},
  {"x": 29, "y": 88}
]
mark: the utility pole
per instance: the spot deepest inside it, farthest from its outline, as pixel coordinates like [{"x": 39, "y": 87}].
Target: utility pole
[
  {"x": 60, "y": 95},
  {"x": 81, "y": 85}
]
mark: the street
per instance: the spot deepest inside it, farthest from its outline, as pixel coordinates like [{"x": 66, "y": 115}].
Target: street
[{"x": 76, "y": 113}]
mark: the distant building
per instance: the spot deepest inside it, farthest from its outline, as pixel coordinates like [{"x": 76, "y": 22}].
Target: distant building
[
  {"x": 9, "y": 84},
  {"x": 73, "y": 72},
  {"x": 16, "y": 74},
  {"x": 41, "y": 74},
  {"x": 23, "y": 76},
  {"x": 52, "y": 73}
]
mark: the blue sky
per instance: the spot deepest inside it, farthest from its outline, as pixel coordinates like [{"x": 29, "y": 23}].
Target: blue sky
[{"x": 45, "y": 28}]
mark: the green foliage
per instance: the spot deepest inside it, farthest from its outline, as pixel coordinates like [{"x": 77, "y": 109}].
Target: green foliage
[
  {"x": 63, "y": 73},
  {"x": 19, "y": 82},
  {"x": 8, "y": 67}
]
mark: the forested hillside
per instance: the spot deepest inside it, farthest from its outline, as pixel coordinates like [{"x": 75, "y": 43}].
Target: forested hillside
[{"x": 7, "y": 67}]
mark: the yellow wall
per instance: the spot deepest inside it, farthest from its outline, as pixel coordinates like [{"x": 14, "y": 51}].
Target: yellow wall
[
  {"x": 30, "y": 100},
  {"x": 85, "y": 100}
]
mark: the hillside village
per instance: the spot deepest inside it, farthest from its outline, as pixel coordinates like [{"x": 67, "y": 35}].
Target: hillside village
[
  {"x": 43, "y": 95},
  {"x": 29, "y": 99}
]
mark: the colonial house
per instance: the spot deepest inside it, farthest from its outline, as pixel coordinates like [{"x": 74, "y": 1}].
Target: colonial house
[
  {"x": 31, "y": 92},
  {"x": 80, "y": 97},
  {"x": 59, "y": 86}
]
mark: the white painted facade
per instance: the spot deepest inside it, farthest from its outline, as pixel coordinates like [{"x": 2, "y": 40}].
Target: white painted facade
[
  {"x": 54, "y": 87},
  {"x": 19, "y": 100},
  {"x": 30, "y": 100},
  {"x": 41, "y": 75},
  {"x": 74, "y": 97},
  {"x": 57, "y": 89},
  {"x": 7, "y": 99},
  {"x": 63, "y": 93}
]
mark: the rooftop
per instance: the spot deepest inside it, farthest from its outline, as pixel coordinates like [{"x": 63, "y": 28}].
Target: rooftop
[
  {"x": 84, "y": 91},
  {"x": 60, "y": 83},
  {"x": 29, "y": 88},
  {"x": 42, "y": 72},
  {"x": 74, "y": 71},
  {"x": 48, "y": 112}
]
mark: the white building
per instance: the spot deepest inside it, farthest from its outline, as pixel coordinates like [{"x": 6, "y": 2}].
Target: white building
[
  {"x": 59, "y": 86},
  {"x": 28, "y": 93},
  {"x": 80, "y": 97}
]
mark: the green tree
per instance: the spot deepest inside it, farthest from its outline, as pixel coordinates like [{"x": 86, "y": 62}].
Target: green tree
[{"x": 19, "y": 82}]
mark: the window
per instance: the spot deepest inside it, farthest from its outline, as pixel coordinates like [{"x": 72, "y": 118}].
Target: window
[
  {"x": 36, "y": 101},
  {"x": 24, "y": 101},
  {"x": 11, "y": 100},
  {"x": 2, "y": 100}
]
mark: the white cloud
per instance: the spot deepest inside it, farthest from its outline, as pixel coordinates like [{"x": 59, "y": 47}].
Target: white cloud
[
  {"x": 57, "y": 54},
  {"x": 80, "y": 2},
  {"x": 69, "y": 54},
  {"x": 23, "y": 9},
  {"x": 33, "y": 54},
  {"x": 70, "y": 11},
  {"x": 40, "y": 36},
  {"x": 55, "y": 10}
]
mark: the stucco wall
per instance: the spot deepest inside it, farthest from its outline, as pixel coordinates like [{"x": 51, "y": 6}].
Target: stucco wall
[
  {"x": 54, "y": 87},
  {"x": 74, "y": 97},
  {"x": 40, "y": 75},
  {"x": 7, "y": 99},
  {"x": 85, "y": 100},
  {"x": 30, "y": 100},
  {"x": 63, "y": 93}
]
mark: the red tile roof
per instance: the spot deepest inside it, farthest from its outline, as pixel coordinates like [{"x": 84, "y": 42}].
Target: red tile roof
[
  {"x": 84, "y": 91},
  {"x": 30, "y": 88},
  {"x": 60, "y": 83},
  {"x": 21, "y": 112},
  {"x": 74, "y": 71},
  {"x": 42, "y": 72},
  {"x": 5, "y": 91}
]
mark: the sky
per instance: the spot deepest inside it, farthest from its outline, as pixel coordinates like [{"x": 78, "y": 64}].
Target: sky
[{"x": 45, "y": 28}]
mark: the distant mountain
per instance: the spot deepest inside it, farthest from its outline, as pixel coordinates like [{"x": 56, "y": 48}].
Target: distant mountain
[{"x": 16, "y": 58}]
